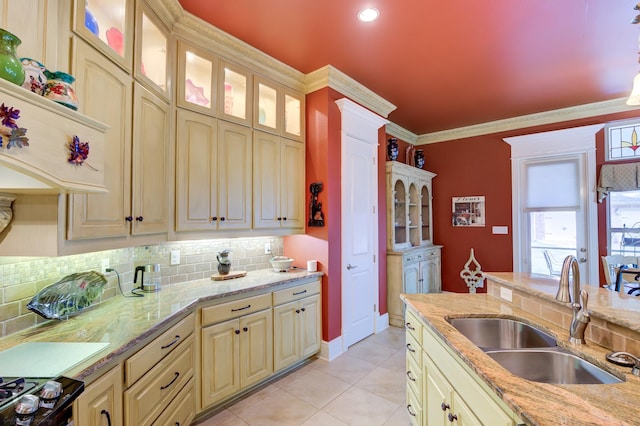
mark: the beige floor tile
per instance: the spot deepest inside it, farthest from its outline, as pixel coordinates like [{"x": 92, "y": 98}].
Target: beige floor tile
[
  {"x": 278, "y": 408},
  {"x": 393, "y": 337},
  {"x": 253, "y": 398},
  {"x": 223, "y": 418},
  {"x": 386, "y": 383},
  {"x": 295, "y": 375},
  {"x": 371, "y": 352},
  {"x": 358, "y": 407},
  {"x": 397, "y": 362},
  {"x": 346, "y": 368},
  {"x": 399, "y": 418},
  {"x": 316, "y": 388},
  {"x": 323, "y": 419}
]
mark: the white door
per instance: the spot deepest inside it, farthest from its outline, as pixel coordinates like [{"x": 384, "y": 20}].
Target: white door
[{"x": 359, "y": 221}]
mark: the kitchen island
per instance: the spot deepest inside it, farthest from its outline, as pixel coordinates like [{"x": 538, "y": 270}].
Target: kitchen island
[{"x": 531, "y": 299}]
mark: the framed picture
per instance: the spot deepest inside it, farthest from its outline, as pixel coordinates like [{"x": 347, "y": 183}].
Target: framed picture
[{"x": 468, "y": 211}]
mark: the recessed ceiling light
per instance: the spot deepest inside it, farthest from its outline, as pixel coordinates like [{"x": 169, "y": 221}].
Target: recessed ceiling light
[{"x": 369, "y": 14}]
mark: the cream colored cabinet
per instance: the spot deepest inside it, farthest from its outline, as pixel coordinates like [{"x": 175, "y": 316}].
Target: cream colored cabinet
[
  {"x": 213, "y": 174},
  {"x": 278, "y": 110},
  {"x": 297, "y": 324},
  {"x": 446, "y": 390},
  {"x": 235, "y": 94},
  {"x": 152, "y": 51},
  {"x": 100, "y": 404},
  {"x": 411, "y": 271},
  {"x": 181, "y": 411},
  {"x": 237, "y": 347},
  {"x": 197, "y": 79},
  {"x": 278, "y": 182},
  {"x": 108, "y": 26}
]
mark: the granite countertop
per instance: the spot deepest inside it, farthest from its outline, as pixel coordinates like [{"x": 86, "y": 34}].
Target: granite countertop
[
  {"x": 535, "y": 403},
  {"x": 127, "y": 322}
]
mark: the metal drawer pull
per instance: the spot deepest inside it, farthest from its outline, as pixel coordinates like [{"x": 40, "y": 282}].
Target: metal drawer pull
[
  {"x": 108, "y": 416},
  {"x": 452, "y": 417},
  {"x": 300, "y": 292},
  {"x": 241, "y": 309},
  {"x": 172, "y": 343},
  {"x": 171, "y": 382},
  {"x": 409, "y": 326},
  {"x": 410, "y": 349},
  {"x": 410, "y": 410},
  {"x": 410, "y": 376}
]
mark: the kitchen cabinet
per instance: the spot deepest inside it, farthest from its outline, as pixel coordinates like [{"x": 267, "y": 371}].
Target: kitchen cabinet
[
  {"x": 100, "y": 404},
  {"x": 235, "y": 93},
  {"x": 278, "y": 182},
  {"x": 450, "y": 393},
  {"x": 237, "y": 347},
  {"x": 412, "y": 271},
  {"x": 153, "y": 49},
  {"x": 213, "y": 174},
  {"x": 296, "y": 318},
  {"x": 197, "y": 79},
  {"x": 278, "y": 110},
  {"x": 107, "y": 25}
]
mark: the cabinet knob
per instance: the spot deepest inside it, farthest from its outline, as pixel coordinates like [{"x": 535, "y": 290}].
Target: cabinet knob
[
  {"x": 214, "y": 218},
  {"x": 303, "y": 309},
  {"x": 444, "y": 406},
  {"x": 222, "y": 219},
  {"x": 452, "y": 417},
  {"x": 245, "y": 329},
  {"x": 284, "y": 218},
  {"x": 139, "y": 218},
  {"x": 129, "y": 218},
  {"x": 279, "y": 219},
  {"x": 297, "y": 311},
  {"x": 237, "y": 331}
]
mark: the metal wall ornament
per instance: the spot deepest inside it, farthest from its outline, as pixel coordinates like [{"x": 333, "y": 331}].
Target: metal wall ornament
[
  {"x": 79, "y": 151},
  {"x": 14, "y": 135},
  {"x": 316, "y": 217}
]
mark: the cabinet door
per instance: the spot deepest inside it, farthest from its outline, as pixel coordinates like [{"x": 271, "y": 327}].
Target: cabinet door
[
  {"x": 286, "y": 350},
  {"x": 462, "y": 414},
  {"x": 234, "y": 171},
  {"x": 150, "y": 185},
  {"x": 196, "y": 152},
  {"x": 196, "y": 81},
  {"x": 310, "y": 326},
  {"x": 235, "y": 93},
  {"x": 266, "y": 180},
  {"x": 411, "y": 278},
  {"x": 430, "y": 273},
  {"x": 105, "y": 94},
  {"x": 256, "y": 347},
  {"x": 153, "y": 48},
  {"x": 100, "y": 404},
  {"x": 267, "y": 111},
  {"x": 294, "y": 107},
  {"x": 292, "y": 183},
  {"x": 438, "y": 400},
  {"x": 220, "y": 361}
]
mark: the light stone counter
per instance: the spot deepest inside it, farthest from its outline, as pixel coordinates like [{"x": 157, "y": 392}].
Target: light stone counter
[
  {"x": 540, "y": 403},
  {"x": 127, "y": 323}
]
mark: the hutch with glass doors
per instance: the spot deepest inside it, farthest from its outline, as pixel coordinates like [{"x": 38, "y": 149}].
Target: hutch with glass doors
[{"x": 413, "y": 261}]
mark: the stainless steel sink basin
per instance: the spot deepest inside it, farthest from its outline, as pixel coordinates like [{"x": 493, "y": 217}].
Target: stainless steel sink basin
[
  {"x": 552, "y": 366},
  {"x": 502, "y": 333}
]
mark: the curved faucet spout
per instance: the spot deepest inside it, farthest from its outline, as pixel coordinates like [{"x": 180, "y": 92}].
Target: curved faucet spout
[{"x": 570, "y": 264}]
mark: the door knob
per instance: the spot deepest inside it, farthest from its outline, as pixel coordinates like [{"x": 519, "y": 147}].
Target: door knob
[{"x": 350, "y": 266}]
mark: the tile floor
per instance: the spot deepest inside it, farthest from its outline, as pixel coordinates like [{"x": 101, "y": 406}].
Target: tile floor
[{"x": 365, "y": 386}]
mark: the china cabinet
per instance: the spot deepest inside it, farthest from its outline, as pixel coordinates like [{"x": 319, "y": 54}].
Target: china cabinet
[
  {"x": 213, "y": 174},
  {"x": 197, "y": 79},
  {"x": 235, "y": 93},
  {"x": 277, "y": 109},
  {"x": 278, "y": 182}
]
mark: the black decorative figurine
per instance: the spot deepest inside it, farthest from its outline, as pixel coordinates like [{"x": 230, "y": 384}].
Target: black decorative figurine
[
  {"x": 419, "y": 158},
  {"x": 316, "y": 218},
  {"x": 392, "y": 149}
]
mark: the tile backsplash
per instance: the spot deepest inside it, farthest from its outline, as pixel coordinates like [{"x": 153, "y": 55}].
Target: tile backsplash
[{"x": 22, "y": 277}]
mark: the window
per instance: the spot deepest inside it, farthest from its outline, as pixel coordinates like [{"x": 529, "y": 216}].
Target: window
[
  {"x": 621, "y": 140},
  {"x": 624, "y": 223}
]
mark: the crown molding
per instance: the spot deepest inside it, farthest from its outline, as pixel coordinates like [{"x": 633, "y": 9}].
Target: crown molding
[
  {"x": 548, "y": 117},
  {"x": 329, "y": 76},
  {"x": 401, "y": 133}
]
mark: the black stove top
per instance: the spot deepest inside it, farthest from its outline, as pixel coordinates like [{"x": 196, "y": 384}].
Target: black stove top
[{"x": 50, "y": 411}]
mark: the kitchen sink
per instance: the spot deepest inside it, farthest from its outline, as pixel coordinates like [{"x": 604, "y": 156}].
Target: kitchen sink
[
  {"x": 553, "y": 366},
  {"x": 501, "y": 333}
]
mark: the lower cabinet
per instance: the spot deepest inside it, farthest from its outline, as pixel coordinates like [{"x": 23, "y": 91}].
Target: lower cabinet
[
  {"x": 100, "y": 404},
  {"x": 296, "y": 316},
  {"x": 445, "y": 391},
  {"x": 236, "y": 352}
]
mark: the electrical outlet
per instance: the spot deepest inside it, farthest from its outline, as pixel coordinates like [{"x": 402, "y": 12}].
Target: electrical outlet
[
  {"x": 175, "y": 257},
  {"x": 267, "y": 248},
  {"x": 105, "y": 265}
]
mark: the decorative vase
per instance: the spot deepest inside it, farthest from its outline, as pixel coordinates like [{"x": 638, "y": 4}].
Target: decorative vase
[
  {"x": 419, "y": 158},
  {"x": 35, "y": 79},
  {"x": 90, "y": 22},
  {"x": 392, "y": 149},
  {"x": 224, "y": 263},
  {"x": 10, "y": 66},
  {"x": 59, "y": 89}
]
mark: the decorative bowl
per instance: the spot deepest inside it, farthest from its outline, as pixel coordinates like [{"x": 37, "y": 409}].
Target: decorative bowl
[{"x": 281, "y": 263}]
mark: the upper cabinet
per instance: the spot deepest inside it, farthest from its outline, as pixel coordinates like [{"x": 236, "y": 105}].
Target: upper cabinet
[
  {"x": 108, "y": 26},
  {"x": 278, "y": 109},
  {"x": 197, "y": 79},
  {"x": 153, "y": 50},
  {"x": 409, "y": 210},
  {"x": 236, "y": 96}
]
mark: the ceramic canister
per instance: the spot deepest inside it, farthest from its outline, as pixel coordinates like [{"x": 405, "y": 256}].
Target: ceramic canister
[
  {"x": 34, "y": 76},
  {"x": 59, "y": 89}
]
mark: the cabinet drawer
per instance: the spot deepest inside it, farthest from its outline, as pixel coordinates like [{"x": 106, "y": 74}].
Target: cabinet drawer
[
  {"x": 295, "y": 293},
  {"x": 413, "y": 326},
  {"x": 414, "y": 375},
  {"x": 414, "y": 350},
  {"x": 145, "y": 400},
  {"x": 414, "y": 408},
  {"x": 137, "y": 365},
  {"x": 229, "y": 310},
  {"x": 181, "y": 410}
]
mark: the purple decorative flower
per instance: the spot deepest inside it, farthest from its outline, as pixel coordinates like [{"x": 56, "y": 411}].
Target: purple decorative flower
[
  {"x": 79, "y": 151},
  {"x": 18, "y": 138},
  {"x": 9, "y": 116}
]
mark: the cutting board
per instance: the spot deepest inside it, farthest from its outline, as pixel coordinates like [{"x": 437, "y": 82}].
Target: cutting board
[
  {"x": 45, "y": 359},
  {"x": 229, "y": 276}
]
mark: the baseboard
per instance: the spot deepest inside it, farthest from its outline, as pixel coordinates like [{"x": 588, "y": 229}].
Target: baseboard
[
  {"x": 331, "y": 350},
  {"x": 382, "y": 323}
]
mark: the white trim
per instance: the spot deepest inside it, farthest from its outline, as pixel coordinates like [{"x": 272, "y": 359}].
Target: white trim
[
  {"x": 331, "y": 350},
  {"x": 382, "y": 323},
  {"x": 401, "y": 133}
]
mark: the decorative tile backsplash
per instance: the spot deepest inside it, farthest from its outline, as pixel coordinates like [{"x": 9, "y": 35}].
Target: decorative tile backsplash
[{"x": 23, "y": 277}]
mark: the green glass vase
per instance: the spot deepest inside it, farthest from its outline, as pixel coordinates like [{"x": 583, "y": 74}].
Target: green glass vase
[{"x": 10, "y": 66}]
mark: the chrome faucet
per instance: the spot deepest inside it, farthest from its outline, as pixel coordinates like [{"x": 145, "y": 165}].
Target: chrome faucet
[
  {"x": 580, "y": 318},
  {"x": 626, "y": 356}
]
